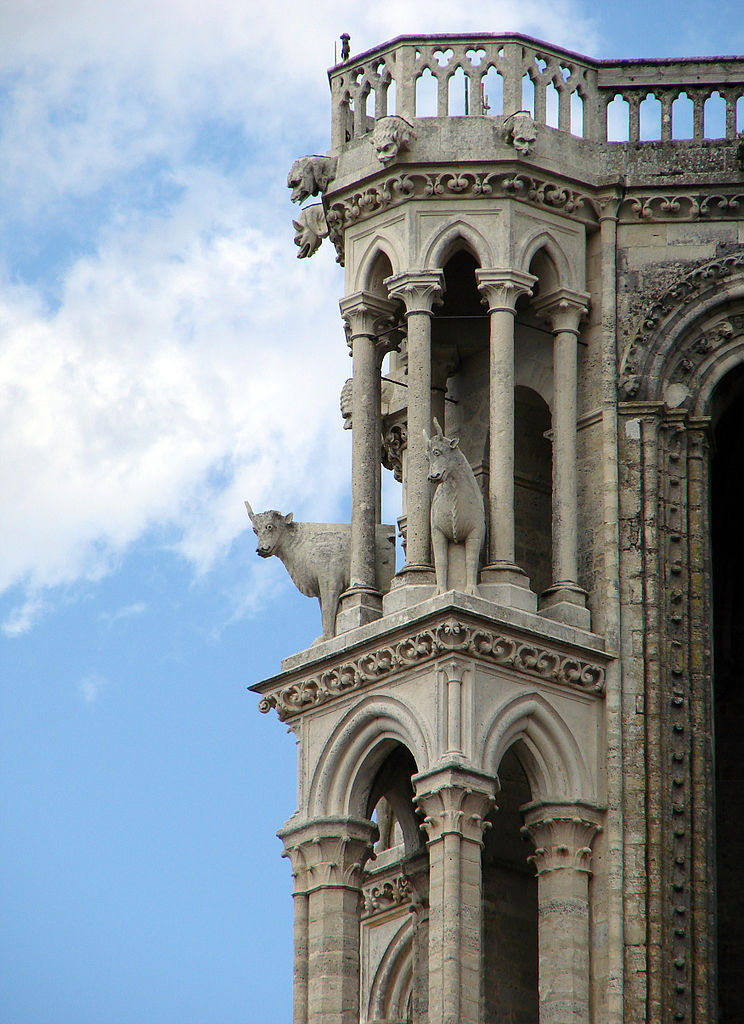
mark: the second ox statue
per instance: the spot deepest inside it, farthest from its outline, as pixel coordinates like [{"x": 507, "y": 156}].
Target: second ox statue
[
  {"x": 318, "y": 557},
  {"x": 457, "y": 515}
]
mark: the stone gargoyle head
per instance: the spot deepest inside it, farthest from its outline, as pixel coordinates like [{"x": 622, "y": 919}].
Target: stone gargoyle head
[
  {"x": 311, "y": 175},
  {"x": 310, "y": 230},
  {"x": 390, "y": 135},
  {"x": 520, "y": 132}
]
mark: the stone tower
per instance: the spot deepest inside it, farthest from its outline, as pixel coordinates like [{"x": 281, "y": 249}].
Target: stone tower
[{"x": 518, "y": 763}]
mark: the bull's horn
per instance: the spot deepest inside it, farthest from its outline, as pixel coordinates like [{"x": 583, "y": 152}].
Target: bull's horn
[
  {"x": 439, "y": 429},
  {"x": 426, "y": 436},
  {"x": 250, "y": 511}
]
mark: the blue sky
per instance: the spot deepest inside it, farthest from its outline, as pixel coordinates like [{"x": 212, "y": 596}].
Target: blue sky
[{"x": 164, "y": 356}]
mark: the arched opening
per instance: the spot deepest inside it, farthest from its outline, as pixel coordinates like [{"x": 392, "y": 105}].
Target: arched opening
[
  {"x": 393, "y": 940},
  {"x": 727, "y": 498},
  {"x": 510, "y": 960},
  {"x": 533, "y": 454}
]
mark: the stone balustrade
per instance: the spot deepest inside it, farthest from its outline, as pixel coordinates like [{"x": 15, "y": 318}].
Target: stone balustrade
[{"x": 466, "y": 75}]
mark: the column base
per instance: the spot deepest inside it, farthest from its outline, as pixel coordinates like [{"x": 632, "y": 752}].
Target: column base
[
  {"x": 505, "y": 583},
  {"x": 356, "y": 607},
  {"x": 565, "y": 602},
  {"x": 412, "y": 585}
]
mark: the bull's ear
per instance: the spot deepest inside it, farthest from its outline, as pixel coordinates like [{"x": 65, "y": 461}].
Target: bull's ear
[
  {"x": 288, "y": 518},
  {"x": 454, "y": 441},
  {"x": 296, "y": 225},
  {"x": 250, "y": 512}
]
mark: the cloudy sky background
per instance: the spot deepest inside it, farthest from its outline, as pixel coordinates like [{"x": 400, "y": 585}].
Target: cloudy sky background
[{"x": 163, "y": 356}]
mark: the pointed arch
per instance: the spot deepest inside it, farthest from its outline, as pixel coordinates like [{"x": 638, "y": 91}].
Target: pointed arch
[
  {"x": 379, "y": 245},
  {"x": 544, "y": 241},
  {"x": 391, "y": 987},
  {"x": 548, "y": 751},
  {"x": 346, "y": 769},
  {"x": 447, "y": 240}
]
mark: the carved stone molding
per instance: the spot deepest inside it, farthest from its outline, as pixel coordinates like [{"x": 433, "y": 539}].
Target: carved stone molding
[
  {"x": 399, "y": 188},
  {"x": 385, "y": 894},
  {"x": 536, "y": 660},
  {"x": 689, "y": 206},
  {"x": 649, "y": 336}
]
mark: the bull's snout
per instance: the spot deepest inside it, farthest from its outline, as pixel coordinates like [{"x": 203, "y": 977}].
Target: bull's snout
[
  {"x": 434, "y": 477},
  {"x": 263, "y": 551}
]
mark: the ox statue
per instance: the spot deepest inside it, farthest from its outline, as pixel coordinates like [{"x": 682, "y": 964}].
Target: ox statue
[
  {"x": 318, "y": 557},
  {"x": 457, "y": 515}
]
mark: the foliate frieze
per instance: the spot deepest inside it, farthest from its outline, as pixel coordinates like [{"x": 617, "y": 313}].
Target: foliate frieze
[
  {"x": 387, "y": 894},
  {"x": 536, "y": 661},
  {"x": 649, "y": 331},
  {"x": 692, "y": 206},
  {"x": 399, "y": 188}
]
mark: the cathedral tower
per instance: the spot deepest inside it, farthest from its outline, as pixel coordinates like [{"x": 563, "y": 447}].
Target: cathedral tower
[{"x": 508, "y": 768}]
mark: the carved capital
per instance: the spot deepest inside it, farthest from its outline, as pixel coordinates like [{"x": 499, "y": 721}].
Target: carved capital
[
  {"x": 563, "y": 309},
  {"x": 419, "y": 290},
  {"x": 502, "y": 288},
  {"x": 366, "y": 314},
  {"x": 455, "y": 800},
  {"x": 562, "y": 834},
  {"x": 328, "y": 852}
]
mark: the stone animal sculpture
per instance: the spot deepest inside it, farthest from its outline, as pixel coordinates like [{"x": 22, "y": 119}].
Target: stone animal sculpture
[
  {"x": 457, "y": 514},
  {"x": 318, "y": 557},
  {"x": 311, "y": 175},
  {"x": 520, "y": 132},
  {"x": 390, "y": 135},
  {"x": 310, "y": 230}
]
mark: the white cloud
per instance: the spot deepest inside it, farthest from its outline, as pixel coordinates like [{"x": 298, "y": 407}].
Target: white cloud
[
  {"x": 91, "y": 686},
  {"x": 186, "y": 360}
]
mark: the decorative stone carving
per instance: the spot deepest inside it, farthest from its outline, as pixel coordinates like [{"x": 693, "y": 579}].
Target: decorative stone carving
[
  {"x": 311, "y": 175},
  {"x": 394, "y": 443},
  {"x": 310, "y": 230},
  {"x": 346, "y": 402},
  {"x": 393, "y": 892},
  {"x": 520, "y": 132},
  {"x": 457, "y": 514},
  {"x": 318, "y": 557},
  {"x": 390, "y": 136},
  {"x": 522, "y": 656}
]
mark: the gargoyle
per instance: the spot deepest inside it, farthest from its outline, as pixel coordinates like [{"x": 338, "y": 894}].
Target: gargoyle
[
  {"x": 520, "y": 132},
  {"x": 310, "y": 230},
  {"x": 390, "y": 135},
  {"x": 311, "y": 175}
]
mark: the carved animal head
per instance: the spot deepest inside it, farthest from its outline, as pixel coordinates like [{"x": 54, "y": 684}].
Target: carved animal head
[
  {"x": 520, "y": 131},
  {"x": 391, "y": 134},
  {"x": 268, "y": 528},
  {"x": 310, "y": 230},
  {"x": 310, "y": 175},
  {"x": 442, "y": 454}
]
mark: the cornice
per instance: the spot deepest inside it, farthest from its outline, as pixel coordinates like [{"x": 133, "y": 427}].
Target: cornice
[{"x": 490, "y": 642}]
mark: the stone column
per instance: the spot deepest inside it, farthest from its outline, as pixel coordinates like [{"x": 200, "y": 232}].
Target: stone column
[
  {"x": 363, "y": 313},
  {"x": 455, "y": 802},
  {"x": 418, "y": 290},
  {"x": 416, "y": 870},
  {"x": 501, "y": 289},
  {"x": 328, "y": 856},
  {"x": 565, "y": 600},
  {"x": 562, "y": 835}
]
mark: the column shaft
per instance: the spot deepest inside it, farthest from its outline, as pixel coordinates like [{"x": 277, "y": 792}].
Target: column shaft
[
  {"x": 501, "y": 448},
  {"x": 565, "y": 524},
  {"x": 418, "y": 546},
  {"x": 300, "y": 973},
  {"x": 455, "y": 802},
  {"x": 365, "y": 463}
]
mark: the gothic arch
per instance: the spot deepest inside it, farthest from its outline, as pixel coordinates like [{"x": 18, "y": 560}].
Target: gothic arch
[
  {"x": 452, "y": 237},
  {"x": 686, "y": 338},
  {"x": 544, "y": 242},
  {"x": 380, "y": 245},
  {"x": 548, "y": 751},
  {"x": 357, "y": 748},
  {"x": 393, "y": 981}
]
